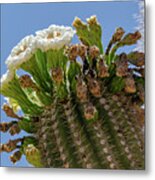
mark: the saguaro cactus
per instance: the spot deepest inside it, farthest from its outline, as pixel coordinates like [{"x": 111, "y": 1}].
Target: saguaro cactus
[{"x": 83, "y": 107}]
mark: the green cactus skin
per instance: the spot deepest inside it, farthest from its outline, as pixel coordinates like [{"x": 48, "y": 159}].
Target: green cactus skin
[{"x": 85, "y": 116}]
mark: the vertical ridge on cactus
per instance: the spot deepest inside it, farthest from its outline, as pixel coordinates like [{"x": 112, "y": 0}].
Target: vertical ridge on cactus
[{"x": 78, "y": 114}]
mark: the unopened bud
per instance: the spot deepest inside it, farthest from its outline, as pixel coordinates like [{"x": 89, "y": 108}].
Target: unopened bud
[
  {"x": 15, "y": 129},
  {"x": 57, "y": 75},
  {"x": 77, "y": 23},
  {"x": 122, "y": 65},
  {"x": 89, "y": 111},
  {"x": 16, "y": 157},
  {"x": 26, "y": 82},
  {"x": 137, "y": 58},
  {"x": 10, "y": 146},
  {"x": 81, "y": 90},
  {"x": 94, "y": 52},
  {"x": 94, "y": 87},
  {"x": 72, "y": 52},
  {"x": 9, "y": 111},
  {"x": 4, "y": 127},
  {"x": 31, "y": 150},
  {"x": 92, "y": 20},
  {"x": 131, "y": 38},
  {"x": 82, "y": 51},
  {"x": 118, "y": 35},
  {"x": 102, "y": 70},
  {"x": 130, "y": 85}
]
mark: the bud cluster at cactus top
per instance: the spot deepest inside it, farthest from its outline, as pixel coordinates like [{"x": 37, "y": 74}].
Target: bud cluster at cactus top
[{"x": 82, "y": 104}]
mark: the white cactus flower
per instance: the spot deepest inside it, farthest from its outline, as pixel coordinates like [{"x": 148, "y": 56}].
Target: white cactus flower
[
  {"x": 54, "y": 37},
  {"x": 22, "y": 52},
  {"x": 6, "y": 79}
]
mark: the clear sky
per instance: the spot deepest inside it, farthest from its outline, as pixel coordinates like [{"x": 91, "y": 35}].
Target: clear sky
[{"x": 19, "y": 20}]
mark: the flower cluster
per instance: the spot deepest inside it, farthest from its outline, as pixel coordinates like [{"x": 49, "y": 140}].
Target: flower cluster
[{"x": 53, "y": 38}]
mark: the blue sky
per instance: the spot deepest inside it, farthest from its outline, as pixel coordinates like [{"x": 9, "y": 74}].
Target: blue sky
[{"x": 19, "y": 20}]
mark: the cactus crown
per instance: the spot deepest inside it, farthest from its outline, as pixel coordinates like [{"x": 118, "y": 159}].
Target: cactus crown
[{"x": 82, "y": 105}]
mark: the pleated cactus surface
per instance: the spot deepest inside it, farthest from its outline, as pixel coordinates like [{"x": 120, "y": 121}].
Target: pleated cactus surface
[{"x": 82, "y": 104}]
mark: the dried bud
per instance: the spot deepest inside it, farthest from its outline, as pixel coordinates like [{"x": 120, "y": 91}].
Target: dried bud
[
  {"x": 89, "y": 111},
  {"x": 4, "y": 127},
  {"x": 131, "y": 38},
  {"x": 81, "y": 90},
  {"x": 10, "y": 146},
  {"x": 14, "y": 129},
  {"x": 94, "y": 87},
  {"x": 16, "y": 157},
  {"x": 82, "y": 51},
  {"x": 118, "y": 35},
  {"x": 26, "y": 82},
  {"x": 9, "y": 111},
  {"x": 57, "y": 75},
  {"x": 137, "y": 58},
  {"x": 130, "y": 85},
  {"x": 102, "y": 70},
  {"x": 122, "y": 65},
  {"x": 72, "y": 52},
  {"x": 94, "y": 52}
]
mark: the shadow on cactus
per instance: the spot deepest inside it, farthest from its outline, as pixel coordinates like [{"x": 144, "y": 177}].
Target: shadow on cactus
[{"x": 83, "y": 106}]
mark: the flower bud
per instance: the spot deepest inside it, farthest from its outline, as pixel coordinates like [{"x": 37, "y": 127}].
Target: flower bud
[
  {"x": 26, "y": 82},
  {"x": 94, "y": 87},
  {"x": 94, "y": 52},
  {"x": 57, "y": 74},
  {"x": 77, "y": 23},
  {"x": 82, "y": 51},
  {"x": 102, "y": 69},
  {"x": 72, "y": 52},
  {"x": 131, "y": 38},
  {"x": 137, "y": 58},
  {"x": 14, "y": 129},
  {"x": 130, "y": 85},
  {"x": 15, "y": 157},
  {"x": 81, "y": 90},
  {"x": 10, "y": 146},
  {"x": 92, "y": 20},
  {"x": 89, "y": 111},
  {"x": 9, "y": 111},
  {"x": 118, "y": 35},
  {"x": 122, "y": 65},
  {"x": 4, "y": 127}
]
